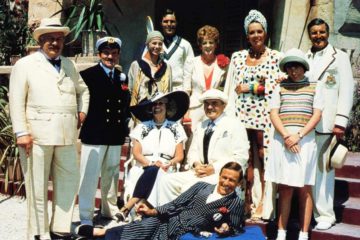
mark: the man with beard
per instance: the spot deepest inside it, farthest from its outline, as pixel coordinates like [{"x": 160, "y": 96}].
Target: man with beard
[
  {"x": 217, "y": 140},
  {"x": 332, "y": 67},
  {"x": 177, "y": 51},
  {"x": 103, "y": 131},
  {"x": 48, "y": 100}
]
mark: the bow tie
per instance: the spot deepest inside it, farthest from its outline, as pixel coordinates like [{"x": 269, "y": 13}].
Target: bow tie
[{"x": 55, "y": 62}]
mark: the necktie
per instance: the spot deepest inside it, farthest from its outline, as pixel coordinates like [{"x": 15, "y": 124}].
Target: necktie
[
  {"x": 111, "y": 76},
  {"x": 208, "y": 133},
  {"x": 55, "y": 62}
]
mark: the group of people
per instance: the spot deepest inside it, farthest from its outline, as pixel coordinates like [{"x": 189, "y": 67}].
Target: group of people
[{"x": 245, "y": 128}]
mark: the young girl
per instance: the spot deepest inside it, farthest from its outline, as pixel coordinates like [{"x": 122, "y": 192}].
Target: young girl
[{"x": 295, "y": 111}]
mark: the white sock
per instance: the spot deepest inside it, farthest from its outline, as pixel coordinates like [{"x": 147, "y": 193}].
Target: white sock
[
  {"x": 303, "y": 235},
  {"x": 281, "y": 234}
]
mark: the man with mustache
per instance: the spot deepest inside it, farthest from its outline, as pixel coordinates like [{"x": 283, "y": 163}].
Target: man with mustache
[
  {"x": 332, "y": 68},
  {"x": 48, "y": 101},
  {"x": 177, "y": 51},
  {"x": 103, "y": 131},
  {"x": 204, "y": 207},
  {"x": 217, "y": 140}
]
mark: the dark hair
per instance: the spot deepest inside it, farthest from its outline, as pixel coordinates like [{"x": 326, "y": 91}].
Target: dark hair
[
  {"x": 233, "y": 166},
  {"x": 317, "y": 21},
  {"x": 168, "y": 12},
  {"x": 290, "y": 64}
]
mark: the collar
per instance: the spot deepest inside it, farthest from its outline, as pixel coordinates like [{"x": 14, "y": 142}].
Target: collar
[
  {"x": 319, "y": 53},
  {"x": 47, "y": 57},
  {"x": 216, "y": 121},
  {"x": 106, "y": 69}
]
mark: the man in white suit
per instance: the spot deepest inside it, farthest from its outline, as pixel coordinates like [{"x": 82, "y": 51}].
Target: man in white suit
[
  {"x": 217, "y": 140},
  {"x": 332, "y": 68},
  {"x": 48, "y": 101}
]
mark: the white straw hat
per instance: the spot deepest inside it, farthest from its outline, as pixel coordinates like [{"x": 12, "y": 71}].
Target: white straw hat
[{"x": 50, "y": 25}]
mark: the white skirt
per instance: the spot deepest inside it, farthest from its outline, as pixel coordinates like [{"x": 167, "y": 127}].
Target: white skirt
[{"x": 292, "y": 169}]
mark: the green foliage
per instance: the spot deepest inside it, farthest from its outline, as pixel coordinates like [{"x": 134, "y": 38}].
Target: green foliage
[
  {"x": 84, "y": 15},
  {"x": 9, "y": 160},
  {"x": 353, "y": 131},
  {"x": 13, "y": 29}
]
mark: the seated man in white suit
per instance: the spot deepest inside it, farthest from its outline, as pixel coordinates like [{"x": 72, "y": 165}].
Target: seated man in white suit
[{"x": 217, "y": 140}]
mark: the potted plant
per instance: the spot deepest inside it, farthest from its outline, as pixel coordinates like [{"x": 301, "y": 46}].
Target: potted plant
[
  {"x": 85, "y": 18},
  {"x": 31, "y": 44}
]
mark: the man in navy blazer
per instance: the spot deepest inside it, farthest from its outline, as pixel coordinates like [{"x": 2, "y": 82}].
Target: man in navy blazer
[
  {"x": 204, "y": 207},
  {"x": 103, "y": 131}
]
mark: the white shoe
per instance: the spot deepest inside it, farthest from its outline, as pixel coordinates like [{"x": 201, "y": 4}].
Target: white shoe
[{"x": 323, "y": 226}]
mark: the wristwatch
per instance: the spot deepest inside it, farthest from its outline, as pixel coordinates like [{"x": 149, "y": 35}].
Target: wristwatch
[{"x": 300, "y": 135}]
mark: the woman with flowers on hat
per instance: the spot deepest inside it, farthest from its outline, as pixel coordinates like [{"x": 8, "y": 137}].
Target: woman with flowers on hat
[
  {"x": 295, "y": 110},
  {"x": 157, "y": 145},
  {"x": 149, "y": 74},
  {"x": 207, "y": 71},
  {"x": 250, "y": 83}
]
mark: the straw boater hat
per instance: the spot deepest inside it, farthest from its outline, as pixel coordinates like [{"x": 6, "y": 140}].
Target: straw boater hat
[
  {"x": 336, "y": 154},
  {"x": 50, "y": 25},
  {"x": 214, "y": 94},
  {"x": 176, "y": 107},
  {"x": 294, "y": 55}
]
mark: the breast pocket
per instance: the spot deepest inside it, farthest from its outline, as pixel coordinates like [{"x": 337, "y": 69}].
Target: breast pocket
[{"x": 67, "y": 86}]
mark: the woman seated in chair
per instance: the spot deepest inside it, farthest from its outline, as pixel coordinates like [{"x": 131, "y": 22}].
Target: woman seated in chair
[{"x": 157, "y": 144}]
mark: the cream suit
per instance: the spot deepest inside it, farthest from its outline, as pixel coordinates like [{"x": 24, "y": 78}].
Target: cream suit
[
  {"x": 332, "y": 67},
  {"x": 45, "y": 104},
  {"x": 228, "y": 143},
  {"x": 194, "y": 85}
]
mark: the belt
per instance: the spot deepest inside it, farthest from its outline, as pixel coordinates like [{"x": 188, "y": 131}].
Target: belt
[{"x": 52, "y": 109}]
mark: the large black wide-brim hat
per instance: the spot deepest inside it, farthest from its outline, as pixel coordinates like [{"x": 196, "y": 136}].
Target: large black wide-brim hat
[{"x": 177, "y": 106}]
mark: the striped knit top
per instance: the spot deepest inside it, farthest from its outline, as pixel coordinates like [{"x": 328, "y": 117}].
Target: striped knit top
[{"x": 296, "y": 101}]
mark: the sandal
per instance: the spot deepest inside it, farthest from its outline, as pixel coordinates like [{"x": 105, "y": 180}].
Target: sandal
[{"x": 122, "y": 214}]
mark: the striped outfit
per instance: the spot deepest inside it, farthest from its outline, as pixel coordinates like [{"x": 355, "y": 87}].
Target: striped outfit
[
  {"x": 295, "y": 101},
  {"x": 187, "y": 213}
]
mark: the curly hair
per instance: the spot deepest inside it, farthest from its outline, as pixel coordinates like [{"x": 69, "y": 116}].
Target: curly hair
[{"x": 209, "y": 32}]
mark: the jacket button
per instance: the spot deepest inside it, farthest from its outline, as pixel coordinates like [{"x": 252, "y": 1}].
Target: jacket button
[
  {"x": 107, "y": 100},
  {"x": 119, "y": 121},
  {"x": 107, "y": 110},
  {"x": 119, "y": 101},
  {"x": 119, "y": 111},
  {"x": 107, "y": 120}
]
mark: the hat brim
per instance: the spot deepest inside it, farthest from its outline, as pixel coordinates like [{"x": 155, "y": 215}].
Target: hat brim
[
  {"x": 297, "y": 59},
  {"x": 43, "y": 30},
  {"x": 336, "y": 154},
  {"x": 177, "y": 106}
]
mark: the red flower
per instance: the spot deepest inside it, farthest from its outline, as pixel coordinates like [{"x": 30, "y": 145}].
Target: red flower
[
  {"x": 223, "y": 210},
  {"x": 222, "y": 60},
  {"x": 124, "y": 87}
]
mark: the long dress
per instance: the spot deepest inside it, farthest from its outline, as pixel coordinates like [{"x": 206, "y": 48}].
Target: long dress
[
  {"x": 156, "y": 144},
  {"x": 295, "y": 101}
]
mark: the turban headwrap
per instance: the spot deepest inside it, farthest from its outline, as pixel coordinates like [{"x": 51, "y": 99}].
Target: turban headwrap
[{"x": 254, "y": 16}]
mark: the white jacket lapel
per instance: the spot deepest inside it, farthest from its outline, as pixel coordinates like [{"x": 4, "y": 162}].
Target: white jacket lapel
[{"x": 328, "y": 59}]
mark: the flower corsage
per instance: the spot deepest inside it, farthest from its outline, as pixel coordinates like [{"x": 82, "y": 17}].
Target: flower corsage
[{"x": 222, "y": 61}]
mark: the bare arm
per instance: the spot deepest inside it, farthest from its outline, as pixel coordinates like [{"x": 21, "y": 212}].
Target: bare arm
[{"x": 137, "y": 152}]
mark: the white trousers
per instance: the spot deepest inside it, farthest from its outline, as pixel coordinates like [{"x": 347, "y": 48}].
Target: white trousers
[
  {"x": 61, "y": 163},
  {"x": 173, "y": 184},
  {"x": 96, "y": 159},
  {"x": 323, "y": 190}
]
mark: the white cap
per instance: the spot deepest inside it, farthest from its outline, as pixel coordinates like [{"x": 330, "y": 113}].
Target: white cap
[
  {"x": 214, "y": 94},
  {"x": 108, "y": 40}
]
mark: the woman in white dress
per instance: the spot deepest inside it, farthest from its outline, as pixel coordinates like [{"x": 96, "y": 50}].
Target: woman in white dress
[
  {"x": 295, "y": 110},
  {"x": 207, "y": 71},
  {"x": 157, "y": 145}
]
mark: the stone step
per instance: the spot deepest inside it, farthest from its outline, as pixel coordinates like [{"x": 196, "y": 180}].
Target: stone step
[
  {"x": 341, "y": 231},
  {"x": 348, "y": 211},
  {"x": 351, "y": 168},
  {"x": 347, "y": 187}
]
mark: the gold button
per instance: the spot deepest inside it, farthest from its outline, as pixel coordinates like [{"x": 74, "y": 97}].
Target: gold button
[
  {"x": 119, "y": 121},
  {"x": 119, "y": 111},
  {"x": 107, "y": 120},
  {"x": 107, "y": 100},
  {"x": 108, "y": 110},
  {"x": 119, "y": 101}
]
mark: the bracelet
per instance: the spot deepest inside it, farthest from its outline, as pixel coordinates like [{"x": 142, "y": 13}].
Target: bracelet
[
  {"x": 261, "y": 90},
  {"x": 251, "y": 88},
  {"x": 300, "y": 135},
  {"x": 256, "y": 85}
]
